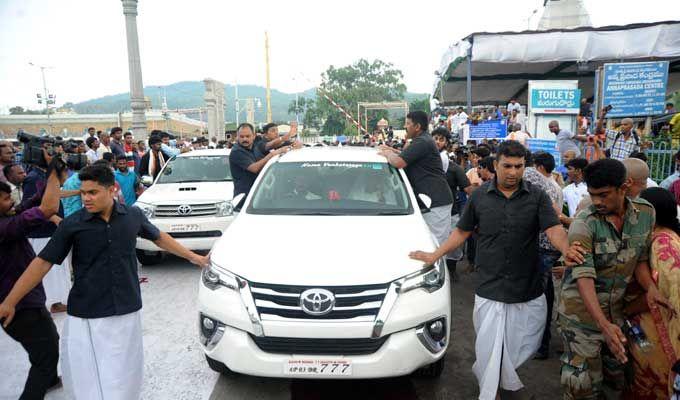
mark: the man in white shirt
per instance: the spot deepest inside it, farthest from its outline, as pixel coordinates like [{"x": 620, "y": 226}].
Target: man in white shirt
[
  {"x": 104, "y": 145},
  {"x": 90, "y": 133},
  {"x": 577, "y": 189},
  {"x": 517, "y": 134},
  {"x": 15, "y": 175},
  {"x": 458, "y": 122},
  {"x": 441, "y": 138},
  {"x": 92, "y": 146},
  {"x": 514, "y": 105}
]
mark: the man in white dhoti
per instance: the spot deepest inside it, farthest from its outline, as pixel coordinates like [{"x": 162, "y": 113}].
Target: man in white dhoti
[
  {"x": 57, "y": 282},
  {"x": 101, "y": 345},
  {"x": 510, "y": 308}
]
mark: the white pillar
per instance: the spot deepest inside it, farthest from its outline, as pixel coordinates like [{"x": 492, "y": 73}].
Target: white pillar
[
  {"x": 214, "y": 103},
  {"x": 137, "y": 102}
]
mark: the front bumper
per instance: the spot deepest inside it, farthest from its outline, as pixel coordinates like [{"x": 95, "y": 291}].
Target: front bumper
[
  {"x": 402, "y": 353},
  {"x": 197, "y": 233}
]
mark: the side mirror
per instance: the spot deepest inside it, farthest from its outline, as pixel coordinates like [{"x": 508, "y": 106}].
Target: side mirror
[
  {"x": 236, "y": 201},
  {"x": 427, "y": 201},
  {"x": 147, "y": 180}
]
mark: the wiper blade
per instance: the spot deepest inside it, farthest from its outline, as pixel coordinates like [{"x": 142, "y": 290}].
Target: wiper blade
[{"x": 395, "y": 212}]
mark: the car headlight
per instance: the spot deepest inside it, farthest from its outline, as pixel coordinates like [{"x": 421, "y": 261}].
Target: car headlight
[
  {"x": 215, "y": 276},
  {"x": 147, "y": 209},
  {"x": 430, "y": 278},
  {"x": 224, "y": 209}
]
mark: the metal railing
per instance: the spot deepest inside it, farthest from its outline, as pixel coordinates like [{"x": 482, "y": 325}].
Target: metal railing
[{"x": 660, "y": 158}]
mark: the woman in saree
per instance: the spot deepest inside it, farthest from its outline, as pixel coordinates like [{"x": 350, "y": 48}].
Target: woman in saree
[{"x": 653, "y": 377}]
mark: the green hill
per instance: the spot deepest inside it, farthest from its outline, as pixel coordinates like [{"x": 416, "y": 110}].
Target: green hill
[{"x": 189, "y": 94}]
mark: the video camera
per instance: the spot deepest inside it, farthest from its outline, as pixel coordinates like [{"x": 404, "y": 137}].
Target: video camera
[{"x": 33, "y": 151}]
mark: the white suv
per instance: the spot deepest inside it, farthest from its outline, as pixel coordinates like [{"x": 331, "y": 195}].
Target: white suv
[
  {"x": 313, "y": 278},
  {"x": 190, "y": 200}
]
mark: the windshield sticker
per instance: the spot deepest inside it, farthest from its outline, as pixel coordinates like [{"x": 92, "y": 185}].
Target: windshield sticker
[{"x": 376, "y": 166}]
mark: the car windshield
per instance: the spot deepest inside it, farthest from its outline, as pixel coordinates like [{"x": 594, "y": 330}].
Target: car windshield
[
  {"x": 331, "y": 188},
  {"x": 196, "y": 169}
]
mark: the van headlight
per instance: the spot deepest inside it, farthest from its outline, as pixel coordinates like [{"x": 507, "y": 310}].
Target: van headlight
[
  {"x": 430, "y": 278},
  {"x": 147, "y": 209},
  {"x": 215, "y": 276},
  {"x": 224, "y": 209}
]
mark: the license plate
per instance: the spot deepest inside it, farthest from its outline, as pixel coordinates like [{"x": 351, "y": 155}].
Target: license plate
[
  {"x": 318, "y": 367},
  {"x": 184, "y": 228}
]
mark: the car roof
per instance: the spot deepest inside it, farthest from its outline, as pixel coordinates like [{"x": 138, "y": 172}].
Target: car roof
[
  {"x": 333, "y": 153},
  {"x": 206, "y": 152}
]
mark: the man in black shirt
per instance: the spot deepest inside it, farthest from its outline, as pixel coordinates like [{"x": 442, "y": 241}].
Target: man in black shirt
[
  {"x": 271, "y": 140},
  {"x": 423, "y": 167},
  {"x": 102, "y": 353},
  {"x": 509, "y": 315},
  {"x": 244, "y": 161}
]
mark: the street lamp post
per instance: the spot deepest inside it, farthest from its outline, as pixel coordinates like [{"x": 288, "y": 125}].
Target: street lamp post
[{"x": 48, "y": 99}]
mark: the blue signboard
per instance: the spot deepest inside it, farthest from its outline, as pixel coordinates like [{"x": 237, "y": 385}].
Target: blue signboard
[
  {"x": 555, "y": 101},
  {"x": 635, "y": 89},
  {"x": 548, "y": 146},
  {"x": 493, "y": 129}
]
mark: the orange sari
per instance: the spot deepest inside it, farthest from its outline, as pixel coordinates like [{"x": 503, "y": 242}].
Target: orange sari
[{"x": 653, "y": 376}]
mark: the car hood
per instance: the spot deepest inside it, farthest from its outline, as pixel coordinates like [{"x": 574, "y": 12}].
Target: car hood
[
  {"x": 322, "y": 250},
  {"x": 170, "y": 193}
]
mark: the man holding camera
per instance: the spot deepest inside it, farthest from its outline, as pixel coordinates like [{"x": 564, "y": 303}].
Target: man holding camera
[
  {"x": 32, "y": 325},
  {"x": 619, "y": 144},
  {"x": 58, "y": 282},
  {"x": 102, "y": 352}
]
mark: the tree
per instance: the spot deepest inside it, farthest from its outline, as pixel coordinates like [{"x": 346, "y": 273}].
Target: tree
[
  {"x": 420, "y": 105},
  {"x": 362, "y": 81},
  {"x": 16, "y": 110}
]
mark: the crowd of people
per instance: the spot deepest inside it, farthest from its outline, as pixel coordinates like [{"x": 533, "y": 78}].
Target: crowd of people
[
  {"x": 67, "y": 238},
  {"x": 592, "y": 237}
]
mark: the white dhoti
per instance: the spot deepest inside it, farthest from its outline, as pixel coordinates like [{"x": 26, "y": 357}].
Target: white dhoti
[
  {"x": 57, "y": 282},
  {"x": 507, "y": 336},
  {"x": 439, "y": 222},
  {"x": 103, "y": 358}
]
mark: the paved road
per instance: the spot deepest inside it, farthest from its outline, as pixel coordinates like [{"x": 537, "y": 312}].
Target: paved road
[{"x": 175, "y": 367}]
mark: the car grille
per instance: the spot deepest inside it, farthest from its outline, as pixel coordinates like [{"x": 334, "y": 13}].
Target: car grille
[
  {"x": 344, "y": 347},
  {"x": 358, "y": 303},
  {"x": 197, "y": 210},
  {"x": 180, "y": 235}
]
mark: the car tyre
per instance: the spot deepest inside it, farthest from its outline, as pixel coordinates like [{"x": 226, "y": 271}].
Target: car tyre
[
  {"x": 218, "y": 366},
  {"x": 149, "y": 258},
  {"x": 432, "y": 371}
]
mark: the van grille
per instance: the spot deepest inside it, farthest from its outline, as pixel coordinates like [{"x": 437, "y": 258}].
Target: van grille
[
  {"x": 197, "y": 210},
  {"x": 358, "y": 303}
]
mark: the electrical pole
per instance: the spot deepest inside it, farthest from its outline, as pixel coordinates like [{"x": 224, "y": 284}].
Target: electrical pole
[
  {"x": 48, "y": 98},
  {"x": 268, "y": 97},
  {"x": 236, "y": 104}
]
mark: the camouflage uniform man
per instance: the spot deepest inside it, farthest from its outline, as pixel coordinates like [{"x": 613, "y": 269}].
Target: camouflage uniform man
[{"x": 616, "y": 231}]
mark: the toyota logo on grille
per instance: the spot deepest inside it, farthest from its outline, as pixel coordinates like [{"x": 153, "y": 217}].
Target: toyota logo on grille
[
  {"x": 184, "y": 209},
  {"x": 317, "y": 302}
]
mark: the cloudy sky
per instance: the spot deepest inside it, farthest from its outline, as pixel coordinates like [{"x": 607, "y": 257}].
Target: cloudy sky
[{"x": 83, "y": 41}]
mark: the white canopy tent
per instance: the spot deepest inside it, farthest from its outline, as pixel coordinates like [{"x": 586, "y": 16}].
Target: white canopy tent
[{"x": 487, "y": 68}]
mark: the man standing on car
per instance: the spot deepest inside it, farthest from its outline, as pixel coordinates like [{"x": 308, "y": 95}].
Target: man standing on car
[
  {"x": 102, "y": 352},
  {"x": 510, "y": 309},
  {"x": 423, "y": 166},
  {"x": 271, "y": 140},
  {"x": 244, "y": 161}
]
